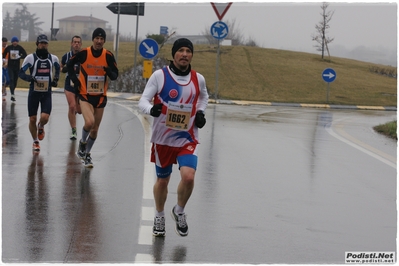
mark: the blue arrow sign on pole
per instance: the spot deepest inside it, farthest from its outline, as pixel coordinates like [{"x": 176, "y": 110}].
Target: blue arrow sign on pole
[
  {"x": 219, "y": 30},
  {"x": 148, "y": 48},
  {"x": 329, "y": 75}
]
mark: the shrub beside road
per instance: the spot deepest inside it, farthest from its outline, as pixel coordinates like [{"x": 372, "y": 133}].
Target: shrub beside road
[{"x": 388, "y": 129}]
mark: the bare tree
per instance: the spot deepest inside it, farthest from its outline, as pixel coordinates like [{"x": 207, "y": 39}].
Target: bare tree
[
  {"x": 321, "y": 36},
  {"x": 251, "y": 42}
]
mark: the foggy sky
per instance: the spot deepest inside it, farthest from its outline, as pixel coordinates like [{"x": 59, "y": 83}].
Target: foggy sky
[{"x": 363, "y": 31}]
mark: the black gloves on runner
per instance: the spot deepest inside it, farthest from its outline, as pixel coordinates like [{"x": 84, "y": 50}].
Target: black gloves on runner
[
  {"x": 76, "y": 86},
  {"x": 200, "y": 119},
  {"x": 64, "y": 69},
  {"x": 156, "y": 110},
  {"x": 31, "y": 78},
  {"x": 54, "y": 83},
  {"x": 109, "y": 72}
]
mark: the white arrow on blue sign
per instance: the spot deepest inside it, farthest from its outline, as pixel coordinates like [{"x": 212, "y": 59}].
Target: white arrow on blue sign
[
  {"x": 329, "y": 75},
  {"x": 219, "y": 30},
  {"x": 148, "y": 48}
]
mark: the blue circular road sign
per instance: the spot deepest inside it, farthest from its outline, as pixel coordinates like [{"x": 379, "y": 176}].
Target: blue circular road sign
[
  {"x": 148, "y": 48},
  {"x": 329, "y": 75},
  {"x": 219, "y": 30}
]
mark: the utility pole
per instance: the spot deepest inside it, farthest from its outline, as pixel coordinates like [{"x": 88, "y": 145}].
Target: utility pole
[
  {"x": 52, "y": 21},
  {"x": 135, "y": 49},
  {"x": 117, "y": 33},
  {"x": 323, "y": 33}
]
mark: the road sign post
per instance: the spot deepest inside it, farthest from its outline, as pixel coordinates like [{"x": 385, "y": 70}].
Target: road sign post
[
  {"x": 328, "y": 76},
  {"x": 221, "y": 9},
  {"x": 163, "y": 31},
  {"x": 148, "y": 48},
  {"x": 219, "y": 30},
  {"x": 147, "y": 69},
  {"x": 128, "y": 9}
]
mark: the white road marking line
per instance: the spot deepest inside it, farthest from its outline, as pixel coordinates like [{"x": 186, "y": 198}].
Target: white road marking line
[
  {"x": 143, "y": 258},
  {"x": 379, "y": 155},
  {"x": 147, "y": 213},
  {"x": 145, "y": 235}
]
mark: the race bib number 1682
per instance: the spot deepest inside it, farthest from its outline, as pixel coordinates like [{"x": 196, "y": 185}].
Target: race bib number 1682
[{"x": 178, "y": 116}]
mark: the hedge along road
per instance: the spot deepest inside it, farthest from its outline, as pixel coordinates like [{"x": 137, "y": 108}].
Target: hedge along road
[{"x": 275, "y": 184}]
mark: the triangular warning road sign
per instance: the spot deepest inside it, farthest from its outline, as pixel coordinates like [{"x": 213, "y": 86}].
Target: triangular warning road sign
[{"x": 221, "y": 9}]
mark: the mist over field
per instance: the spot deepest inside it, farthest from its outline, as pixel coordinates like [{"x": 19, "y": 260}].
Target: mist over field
[{"x": 361, "y": 31}]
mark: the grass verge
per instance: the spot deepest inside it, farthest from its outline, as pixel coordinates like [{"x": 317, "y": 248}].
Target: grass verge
[
  {"x": 267, "y": 75},
  {"x": 388, "y": 129}
]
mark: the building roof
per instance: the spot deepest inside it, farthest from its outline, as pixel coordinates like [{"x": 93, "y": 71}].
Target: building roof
[
  {"x": 82, "y": 19},
  {"x": 195, "y": 39}
]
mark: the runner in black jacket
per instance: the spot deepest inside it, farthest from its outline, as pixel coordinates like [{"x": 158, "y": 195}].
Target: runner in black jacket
[{"x": 13, "y": 54}]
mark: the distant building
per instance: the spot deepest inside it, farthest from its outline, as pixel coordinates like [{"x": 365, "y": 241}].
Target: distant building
[
  {"x": 195, "y": 39},
  {"x": 81, "y": 25},
  {"x": 201, "y": 39}
]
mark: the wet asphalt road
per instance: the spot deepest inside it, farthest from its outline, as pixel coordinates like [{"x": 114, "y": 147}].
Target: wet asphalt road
[{"x": 274, "y": 185}]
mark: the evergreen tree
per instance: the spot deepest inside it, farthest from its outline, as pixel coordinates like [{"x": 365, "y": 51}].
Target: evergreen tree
[
  {"x": 7, "y": 26},
  {"x": 22, "y": 20}
]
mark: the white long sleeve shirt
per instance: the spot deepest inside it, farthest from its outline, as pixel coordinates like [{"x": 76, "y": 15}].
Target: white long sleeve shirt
[{"x": 182, "y": 97}]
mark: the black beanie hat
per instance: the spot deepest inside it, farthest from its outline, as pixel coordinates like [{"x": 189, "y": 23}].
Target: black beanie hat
[
  {"x": 98, "y": 32},
  {"x": 182, "y": 42}
]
